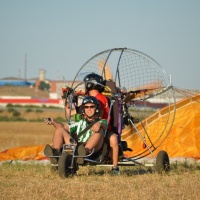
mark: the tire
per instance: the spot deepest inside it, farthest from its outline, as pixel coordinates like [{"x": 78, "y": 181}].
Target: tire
[
  {"x": 162, "y": 162},
  {"x": 64, "y": 166}
]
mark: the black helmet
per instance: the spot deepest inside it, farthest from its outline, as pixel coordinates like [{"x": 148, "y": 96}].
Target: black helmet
[
  {"x": 93, "y": 100},
  {"x": 93, "y": 81},
  {"x": 90, "y": 99}
]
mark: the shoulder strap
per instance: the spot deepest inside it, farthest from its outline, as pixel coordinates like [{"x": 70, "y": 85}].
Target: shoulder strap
[{"x": 87, "y": 128}]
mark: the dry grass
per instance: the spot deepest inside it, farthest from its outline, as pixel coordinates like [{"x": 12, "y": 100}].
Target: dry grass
[
  {"x": 35, "y": 181},
  {"x": 14, "y": 134},
  {"x": 22, "y": 91}
]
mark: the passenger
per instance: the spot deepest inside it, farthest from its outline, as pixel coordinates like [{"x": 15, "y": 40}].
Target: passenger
[
  {"x": 94, "y": 88},
  {"x": 92, "y": 139}
]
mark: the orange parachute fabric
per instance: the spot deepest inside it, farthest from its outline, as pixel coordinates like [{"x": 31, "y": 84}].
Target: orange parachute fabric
[
  {"x": 23, "y": 153},
  {"x": 182, "y": 141},
  {"x": 106, "y": 68},
  {"x": 184, "y": 137}
]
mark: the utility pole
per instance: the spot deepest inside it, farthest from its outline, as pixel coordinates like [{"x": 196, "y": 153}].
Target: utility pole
[{"x": 25, "y": 68}]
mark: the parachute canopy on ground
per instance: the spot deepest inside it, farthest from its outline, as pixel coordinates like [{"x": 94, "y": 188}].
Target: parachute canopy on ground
[{"x": 183, "y": 139}]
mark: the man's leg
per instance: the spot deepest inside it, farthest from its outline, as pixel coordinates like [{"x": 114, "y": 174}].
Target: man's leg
[
  {"x": 114, "y": 148},
  {"x": 95, "y": 141},
  {"x": 60, "y": 137}
]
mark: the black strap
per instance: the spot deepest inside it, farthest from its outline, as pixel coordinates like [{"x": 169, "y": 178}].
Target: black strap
[{"x": 87, "y": 128}]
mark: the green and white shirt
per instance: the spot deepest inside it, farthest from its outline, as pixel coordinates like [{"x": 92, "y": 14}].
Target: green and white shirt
[{"x": 77, "y": 128}]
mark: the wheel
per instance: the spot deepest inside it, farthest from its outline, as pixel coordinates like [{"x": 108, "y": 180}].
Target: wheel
[
  {"x": 64, "y": 166},
  {"x": 162, "y": 162}
]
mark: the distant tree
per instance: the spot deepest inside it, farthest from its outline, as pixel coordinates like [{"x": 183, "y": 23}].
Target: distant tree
[
  {"x": 16, "y": 113},
  {"x": 44, "y": 86}
]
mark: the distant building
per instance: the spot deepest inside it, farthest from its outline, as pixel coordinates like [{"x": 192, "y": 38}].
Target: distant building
[{"x": 16, "y": 82}]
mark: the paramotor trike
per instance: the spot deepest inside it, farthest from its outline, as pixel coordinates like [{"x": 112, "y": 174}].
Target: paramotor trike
[{"x": 142, "y": 109}]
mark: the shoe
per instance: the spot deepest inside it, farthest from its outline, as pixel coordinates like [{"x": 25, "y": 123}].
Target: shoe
[
  {"x": 115, "y": 171},
  {"x": 81, "y": 152},
  {"x": 50, "y": 152}
]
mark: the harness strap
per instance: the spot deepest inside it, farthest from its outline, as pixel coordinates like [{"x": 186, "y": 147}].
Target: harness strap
[{"x": 87, "y": 128}]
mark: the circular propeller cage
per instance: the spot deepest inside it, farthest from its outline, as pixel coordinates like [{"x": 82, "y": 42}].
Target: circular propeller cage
[{"x": 154, "y": 104}]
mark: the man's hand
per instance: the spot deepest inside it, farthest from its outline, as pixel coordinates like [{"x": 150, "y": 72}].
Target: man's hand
[
  {"x": 48, "y": 121},
  {"x": 95, "y": 128}
]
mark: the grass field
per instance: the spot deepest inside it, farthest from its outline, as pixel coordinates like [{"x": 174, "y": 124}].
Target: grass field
[
  {"x": 17, "y": 133},
  {"x": 35, "y": 181},
  {"x": 14, "y": 134}
]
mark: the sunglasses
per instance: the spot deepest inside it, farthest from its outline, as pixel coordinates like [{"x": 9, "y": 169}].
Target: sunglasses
[{"x": 86, "y": 107}]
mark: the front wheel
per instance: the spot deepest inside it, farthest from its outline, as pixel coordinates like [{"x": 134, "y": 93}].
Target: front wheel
[
  {"x": 64, "y": 166},
  {"x": 162, "y": 162}
]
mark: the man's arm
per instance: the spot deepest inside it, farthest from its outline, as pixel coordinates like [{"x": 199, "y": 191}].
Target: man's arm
[
  {"x": 98, "y": 125},
  {"x": 50, "y": 121}
]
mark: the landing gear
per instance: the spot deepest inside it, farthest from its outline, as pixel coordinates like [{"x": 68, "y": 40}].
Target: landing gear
[
  {"x": 66, "y": 167},
  {"x": 162, "y": 162}
]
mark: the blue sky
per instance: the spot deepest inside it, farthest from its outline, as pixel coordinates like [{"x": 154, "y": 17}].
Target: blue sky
[{"x": 60, "y": 36}]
